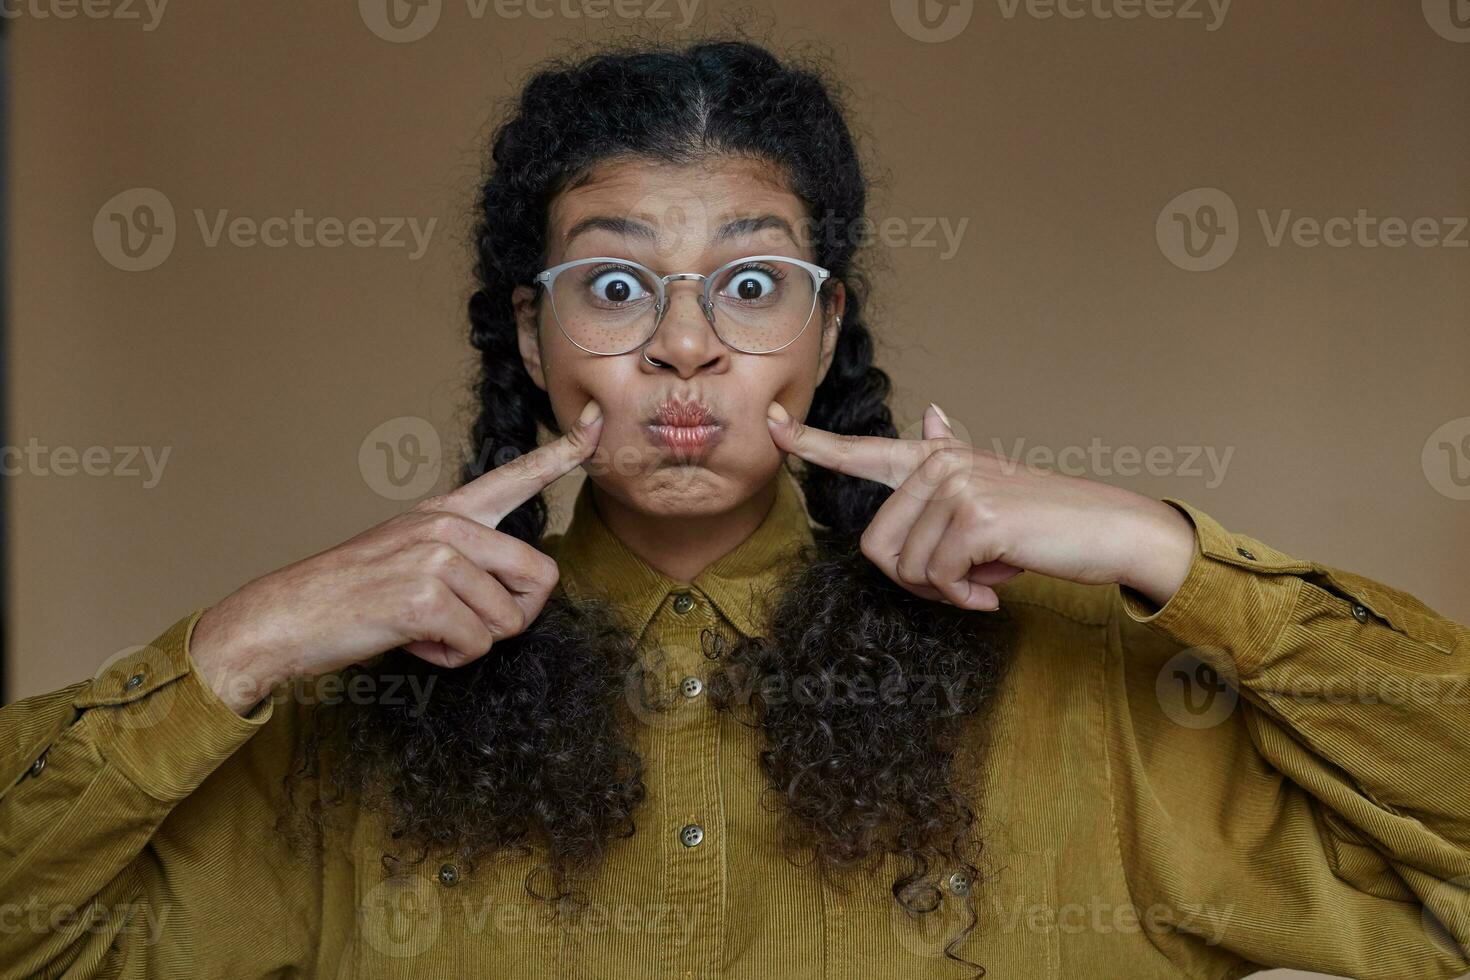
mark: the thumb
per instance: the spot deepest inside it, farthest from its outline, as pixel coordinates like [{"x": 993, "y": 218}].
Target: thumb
[{"x": 936, "y": 423}]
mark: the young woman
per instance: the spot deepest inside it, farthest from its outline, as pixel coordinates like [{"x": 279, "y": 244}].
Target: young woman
[{"x": 924, "y": 714}]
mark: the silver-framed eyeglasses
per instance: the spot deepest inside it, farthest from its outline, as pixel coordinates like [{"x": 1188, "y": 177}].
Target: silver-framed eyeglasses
[{"x": 757, "y": 304}]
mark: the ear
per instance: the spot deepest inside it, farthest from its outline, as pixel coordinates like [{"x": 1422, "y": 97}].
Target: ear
[
  {"x": 528, "y": 331},
  {"x": 830, "y": 328}
]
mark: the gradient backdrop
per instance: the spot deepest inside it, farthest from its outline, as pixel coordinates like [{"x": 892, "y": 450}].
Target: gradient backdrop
[{"x": 1212, "y": 252}]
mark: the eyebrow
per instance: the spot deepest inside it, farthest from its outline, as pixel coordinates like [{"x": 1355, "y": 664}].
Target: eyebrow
[{"x": 629, "y": 228}]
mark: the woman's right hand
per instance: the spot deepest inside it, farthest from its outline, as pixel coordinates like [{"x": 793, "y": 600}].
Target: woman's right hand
[{"x": 438, "y": 580}]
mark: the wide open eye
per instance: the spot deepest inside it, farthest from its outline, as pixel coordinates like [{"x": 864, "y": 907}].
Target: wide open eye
[
  {"x": 752, "y": 283},
  {"x": 615, "y": 285}
]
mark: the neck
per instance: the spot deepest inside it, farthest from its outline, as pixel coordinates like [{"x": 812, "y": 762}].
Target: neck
[{"x": 682, "y": 547}]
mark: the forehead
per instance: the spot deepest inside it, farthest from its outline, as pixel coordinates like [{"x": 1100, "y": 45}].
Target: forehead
[{"x": 669, "y": 211}]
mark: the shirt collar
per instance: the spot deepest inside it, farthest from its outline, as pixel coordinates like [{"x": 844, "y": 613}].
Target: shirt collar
[{"x": 595, "y": 562}]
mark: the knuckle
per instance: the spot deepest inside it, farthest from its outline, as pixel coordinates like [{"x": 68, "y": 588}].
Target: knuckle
[
  {"x": 439, "y": 556},
  {"x": 425, "y": 601},
  {"x": 518, "y": 621},
  {"x": 978, "y": 512},
  {"x": 501, "y": 622},
  {"x": 952, "y": 457}
]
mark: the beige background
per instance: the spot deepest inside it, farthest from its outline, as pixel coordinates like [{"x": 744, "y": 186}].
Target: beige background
[{"x": 1058, "y": 320}]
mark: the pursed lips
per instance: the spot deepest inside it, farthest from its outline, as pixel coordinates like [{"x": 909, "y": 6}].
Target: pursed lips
[{"x": 686, "y": 428}]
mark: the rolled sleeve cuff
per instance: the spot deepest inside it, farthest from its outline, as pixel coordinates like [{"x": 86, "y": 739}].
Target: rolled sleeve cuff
[
  {"x": 1236, "y": 598},
  {"x": 158, "y": 720}
]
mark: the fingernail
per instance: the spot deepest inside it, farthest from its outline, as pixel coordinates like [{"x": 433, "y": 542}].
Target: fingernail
[
  {"x": 940, "y": 412},
  {"x": 776, "y": 413},
  {"x": 591, "y": 412}
]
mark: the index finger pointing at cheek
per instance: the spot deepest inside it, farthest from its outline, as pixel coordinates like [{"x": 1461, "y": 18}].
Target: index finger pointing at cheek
[
  {"x": 876, "y": 458},
  {"x": 489, "y": 498}
]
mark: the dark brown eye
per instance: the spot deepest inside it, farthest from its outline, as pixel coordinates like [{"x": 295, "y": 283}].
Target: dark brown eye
[{"x": 617, "y": 286}]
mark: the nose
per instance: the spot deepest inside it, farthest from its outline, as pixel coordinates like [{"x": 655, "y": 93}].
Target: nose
[{"x": 685, "y": 340}]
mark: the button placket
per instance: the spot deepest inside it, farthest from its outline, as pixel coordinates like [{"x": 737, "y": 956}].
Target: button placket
[{"x": 688, "y": 752}]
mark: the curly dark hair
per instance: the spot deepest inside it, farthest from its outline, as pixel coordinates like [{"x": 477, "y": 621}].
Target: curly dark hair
[{"x": 530, "y": 747}]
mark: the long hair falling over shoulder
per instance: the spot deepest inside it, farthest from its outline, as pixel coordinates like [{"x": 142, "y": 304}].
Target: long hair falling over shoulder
[{"x": 531, "y": 747}]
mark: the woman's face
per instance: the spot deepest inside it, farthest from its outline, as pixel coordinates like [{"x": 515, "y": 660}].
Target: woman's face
[{"x": 675, "y": 218}]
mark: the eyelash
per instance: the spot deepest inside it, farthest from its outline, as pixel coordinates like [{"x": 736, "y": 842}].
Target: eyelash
[{"x": 591, "y": 276}]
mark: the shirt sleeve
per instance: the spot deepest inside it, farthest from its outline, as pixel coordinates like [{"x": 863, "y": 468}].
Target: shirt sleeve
[
  {"x": 123, "y": 827},
  {"x": 1290, "y": 750}
]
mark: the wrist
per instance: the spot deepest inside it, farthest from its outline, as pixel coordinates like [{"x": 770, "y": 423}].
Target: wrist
[
  {"x": 224, "y": 660},
  {"x": 1161, "y": 552}
]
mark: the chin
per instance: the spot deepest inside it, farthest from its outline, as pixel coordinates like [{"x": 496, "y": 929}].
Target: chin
[{"x": 689, "y": 489}]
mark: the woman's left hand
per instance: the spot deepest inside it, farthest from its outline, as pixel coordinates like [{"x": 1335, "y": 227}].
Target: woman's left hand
[{"x": 962, "y": 520}]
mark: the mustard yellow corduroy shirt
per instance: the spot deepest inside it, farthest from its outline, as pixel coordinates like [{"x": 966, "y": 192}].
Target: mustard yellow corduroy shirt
[{"x": 1141, "y": 819}]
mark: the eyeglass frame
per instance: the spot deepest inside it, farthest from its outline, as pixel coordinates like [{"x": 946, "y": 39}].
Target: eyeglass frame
[{"x": 546, "y": 279}]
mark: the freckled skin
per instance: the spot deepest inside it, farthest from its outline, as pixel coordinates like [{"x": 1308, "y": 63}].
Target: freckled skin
[{"x": 684, "y": 205}]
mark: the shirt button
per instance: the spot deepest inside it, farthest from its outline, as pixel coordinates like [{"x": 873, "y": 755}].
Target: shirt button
[
  {"x": 1360, "y": 612},
  {"x": 691, "y": 686},
  {"x": 38, "y": 765},
  {"x": 691, "y": 834},
  {"x": 959, "y": 883},
  {"x": 134, "y": 682},
  {"x": 1242, "y": 552},
  {"x": 449, "y": 876},
  {"x": 683, "y": 602}
]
